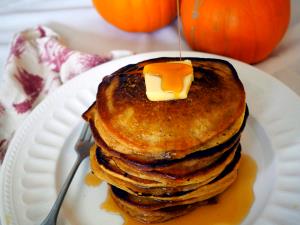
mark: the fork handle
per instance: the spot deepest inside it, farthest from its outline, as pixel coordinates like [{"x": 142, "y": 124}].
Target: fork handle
[{"x": 52, "y": 216}]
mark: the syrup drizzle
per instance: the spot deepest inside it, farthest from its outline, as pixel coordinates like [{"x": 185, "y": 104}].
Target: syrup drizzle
[{"x": 179, "y": 28}]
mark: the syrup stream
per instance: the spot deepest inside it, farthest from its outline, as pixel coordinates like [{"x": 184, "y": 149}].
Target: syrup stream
[{"x": 179, "y": 28}]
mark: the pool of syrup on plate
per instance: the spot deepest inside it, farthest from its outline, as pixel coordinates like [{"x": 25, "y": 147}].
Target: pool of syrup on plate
[{"x": 91, "y": 180}]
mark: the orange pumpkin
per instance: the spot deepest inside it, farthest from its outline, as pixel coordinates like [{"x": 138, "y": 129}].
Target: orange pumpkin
[
  {"x": 137, "y": 15},
  {"x": 245, "y": 30}
]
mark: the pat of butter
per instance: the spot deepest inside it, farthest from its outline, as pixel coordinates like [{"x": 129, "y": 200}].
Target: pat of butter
[{"x": 154, "y": 87}]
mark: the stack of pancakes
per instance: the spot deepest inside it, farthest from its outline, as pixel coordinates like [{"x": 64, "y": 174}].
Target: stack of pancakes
[{"x": 162, "y": 159}]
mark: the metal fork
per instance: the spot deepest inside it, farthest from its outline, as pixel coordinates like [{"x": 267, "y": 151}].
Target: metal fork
[{"x": 82, "y": 148}]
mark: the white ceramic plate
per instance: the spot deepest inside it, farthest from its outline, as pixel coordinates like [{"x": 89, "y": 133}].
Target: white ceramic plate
[{"x": 40, "y": 154}]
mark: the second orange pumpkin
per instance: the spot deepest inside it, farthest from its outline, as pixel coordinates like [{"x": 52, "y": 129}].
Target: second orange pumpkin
[
  {"x": 137, "y": 15},
  {"x": 245, "y": 30}
]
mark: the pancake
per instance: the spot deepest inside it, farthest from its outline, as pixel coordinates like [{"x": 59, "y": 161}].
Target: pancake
[
  {"x": 173, "y": 170},
  {"x": 149, "y": 210},
  {"x": 181, "y": 174},
  {"x": 162, "y": 180},
  {"x": 131, "y": 124},
  {"x": 137, "y": 186},
  {"x": 154, "y": 216},
  {"x": 164, "y": 164},
  {"x": 204, "y": 192},
  {"x": 180, "y": 167}
]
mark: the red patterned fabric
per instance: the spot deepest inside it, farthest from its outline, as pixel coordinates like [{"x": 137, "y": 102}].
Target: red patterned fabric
[{"x": 38, "y": 63}]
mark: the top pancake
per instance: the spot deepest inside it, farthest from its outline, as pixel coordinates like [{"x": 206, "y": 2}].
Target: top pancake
[{"x": 131, "y": 124}]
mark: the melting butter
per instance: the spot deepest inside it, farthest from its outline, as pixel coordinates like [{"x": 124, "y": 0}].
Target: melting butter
[{"x": 168, "y": 80}]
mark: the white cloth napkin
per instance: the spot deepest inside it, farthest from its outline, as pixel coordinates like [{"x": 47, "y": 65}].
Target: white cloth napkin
[{"x": 38, "y": 64}]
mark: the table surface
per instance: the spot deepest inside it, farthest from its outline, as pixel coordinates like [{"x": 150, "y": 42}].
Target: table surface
[{"x": 83, "y": 29}]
